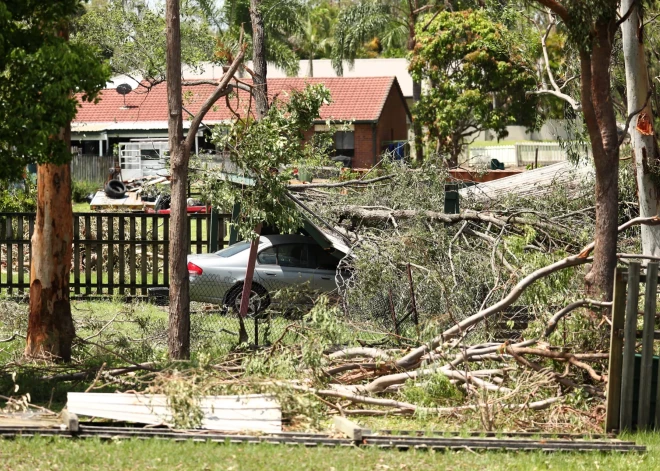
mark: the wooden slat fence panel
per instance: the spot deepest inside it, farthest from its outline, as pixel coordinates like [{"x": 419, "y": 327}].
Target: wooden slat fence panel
[
  {"x": 631, "y": 362},
  {"x": 113, "y": 253},
  {"x": 91, "y": 168}
]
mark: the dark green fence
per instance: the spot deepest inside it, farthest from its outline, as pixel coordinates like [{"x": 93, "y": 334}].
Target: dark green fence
[{"x": 113, "y": 253}]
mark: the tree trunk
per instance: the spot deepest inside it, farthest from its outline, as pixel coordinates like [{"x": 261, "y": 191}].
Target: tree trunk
[
  {"x": 259, "y": 59},
  {"x": 417, "y": 127},
  {"x": 179, "y": 315},
  {"x": 50, "y": 326},
  {"x": 644, "y": 146},
  {"x": 601, "y": 124}
]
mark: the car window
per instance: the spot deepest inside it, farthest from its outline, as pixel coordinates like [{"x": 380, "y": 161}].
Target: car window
[
  {"x": 233, "y": 249},
  {"x": 319, "y": 258},
  {"x": 268, "y": 256},
  {"x": 292, "y": 255}
]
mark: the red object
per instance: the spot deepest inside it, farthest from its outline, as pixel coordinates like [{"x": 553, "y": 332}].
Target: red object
[
  {"x": 353, "y": 99},
  {"x": 194, "y": 269},
  {"x": 189, "y": 209}
]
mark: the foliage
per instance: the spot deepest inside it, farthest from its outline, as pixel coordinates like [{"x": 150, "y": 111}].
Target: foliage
[
  {"x": 282, "y": 21},
  {"x": 129, "y": 35},
  {"x": 262, "y": 150},
  {"x": 436, "y": 391},
  {"x": 42, "y": 79},
  {"x": 18, "y": 198},
  {"x": 80, "y": 190},
  {"x": 478, "y": 79}
]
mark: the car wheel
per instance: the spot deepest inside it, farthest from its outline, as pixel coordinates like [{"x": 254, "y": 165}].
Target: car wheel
[{"x": 259, "y": 300}]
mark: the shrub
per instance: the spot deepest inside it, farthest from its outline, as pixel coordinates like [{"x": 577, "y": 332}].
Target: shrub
[
  {"x": 81, "y": 189},
  {"x": 15, "y": 199}
]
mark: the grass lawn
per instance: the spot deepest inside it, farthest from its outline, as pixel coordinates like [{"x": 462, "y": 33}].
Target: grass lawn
[{"x": 50, "y": 454}]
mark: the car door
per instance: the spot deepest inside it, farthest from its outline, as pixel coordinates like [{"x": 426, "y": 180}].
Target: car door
[
  {"x": 284, "y": 265},
  {"x": 325, "y": 269}
]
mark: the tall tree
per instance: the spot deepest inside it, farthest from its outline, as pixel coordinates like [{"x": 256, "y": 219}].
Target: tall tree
[
  {"x": 40, "y": 75},
  {"x": 259, "y": 59},
  {"x": 478, "y": 80},
  {"x": 280, "y": 21},
  {"x": 591, "y": 27},
  {"x": 180, "y": 147},
  {"x": 395, "y": 22},
  {"x": 642, "y": 135}
]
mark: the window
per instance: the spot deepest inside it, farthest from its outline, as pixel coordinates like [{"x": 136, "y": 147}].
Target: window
[
  {"x": 319, "y": 258},
  {"x": 233, "y": 249},
  {"x": 268, "y": 256},
  {"x": 286, "y": 255},
  {"x": 345, "y": 143}
]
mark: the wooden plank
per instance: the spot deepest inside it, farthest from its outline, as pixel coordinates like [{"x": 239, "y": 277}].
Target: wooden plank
[
  {"x": 111, "y": 255},
  {"x": 189, "y": 229},
  {"x": 629, "y": 341},
  {"x": 198, "y": 236},
  {"x": 143, "y": 258},
  {"x": 131, "y": 254},
  {"x": 222, "y": 223},
  {"x": 70, "y": 421},
  {"x": 166, "y": 250},
  {"x": 76, "y": 254},
  {"x": 154, "y": 249},
  {"x": 227, "y": 413},
  {"x": 88, "y": 256},
  {"x": 30, "y": 232},
  {"x": 10, "y": 254},
  {"x": 349, "y": 428},
  {"x": 21, "y": 270},
  {"x": 99, "y": 254},
  {"x": 643, "y": 416},
  {"x": 613, "y": 404},
  {"x": 122, "y": 256}
]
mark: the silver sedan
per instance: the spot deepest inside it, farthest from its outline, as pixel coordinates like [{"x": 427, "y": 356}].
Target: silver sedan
[{"x": 282, "y": 261}]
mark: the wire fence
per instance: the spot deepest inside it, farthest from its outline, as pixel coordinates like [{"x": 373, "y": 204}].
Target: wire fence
[{"x": 281, "y": 302}]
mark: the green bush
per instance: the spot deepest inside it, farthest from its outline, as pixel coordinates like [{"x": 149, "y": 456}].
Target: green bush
[
  {"x": 80, "y": 190},
  {"x": 434, "y": 392},
  {"x": 16, "y": 199}
]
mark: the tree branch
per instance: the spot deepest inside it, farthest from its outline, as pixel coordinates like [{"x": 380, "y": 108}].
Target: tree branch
[
  {"x": 221, "y": 90},
  {"x": 552, "y": 323}
]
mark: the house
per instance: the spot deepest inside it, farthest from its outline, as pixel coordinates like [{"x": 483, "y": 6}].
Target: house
[{"x": 373, "y": 108}]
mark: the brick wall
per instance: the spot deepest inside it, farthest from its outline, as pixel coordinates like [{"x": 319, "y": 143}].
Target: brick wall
[
  {"x": 364, "y": 146},
  {"x": 392, "y": 125}
]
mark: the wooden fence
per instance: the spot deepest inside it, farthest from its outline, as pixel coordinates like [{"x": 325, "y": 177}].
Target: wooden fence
[
  {"x": 633, "y": 395},
  {"x": 113, "y": 253},
  {"x": 91, "y": 168}
]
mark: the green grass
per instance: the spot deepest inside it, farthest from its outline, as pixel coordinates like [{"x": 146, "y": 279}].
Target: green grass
[{"x": 60, "y": 454}]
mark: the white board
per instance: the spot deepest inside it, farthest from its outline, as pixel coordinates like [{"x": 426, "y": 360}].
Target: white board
[{"x": 254, "y": 412}]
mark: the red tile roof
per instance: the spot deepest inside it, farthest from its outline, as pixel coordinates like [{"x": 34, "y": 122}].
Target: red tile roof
[{"x": 353, "y": 99}]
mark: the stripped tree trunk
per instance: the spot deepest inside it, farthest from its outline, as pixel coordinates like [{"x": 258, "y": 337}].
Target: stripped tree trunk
[
  {"x": 642, "y": 138},
  {"x": 601, "y": 124},
  {"x": 259, "y": 59},
  {"x": 50, "y": 326},
  {"x": 179, "y": 314}
]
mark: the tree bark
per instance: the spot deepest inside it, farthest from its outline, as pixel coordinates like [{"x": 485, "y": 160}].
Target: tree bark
[
  {"x": 601, "y": 124},
  {"x": 417, "y": 127},
  {"x": 50, "y": 326},
  {"x": 179, "y": 311},
  {"x": 644, "y": 146},
  {"x": 259, "y": 59}
]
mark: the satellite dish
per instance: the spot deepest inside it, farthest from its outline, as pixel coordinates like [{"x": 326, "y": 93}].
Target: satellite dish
[{"x": 124, "y": 89}]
